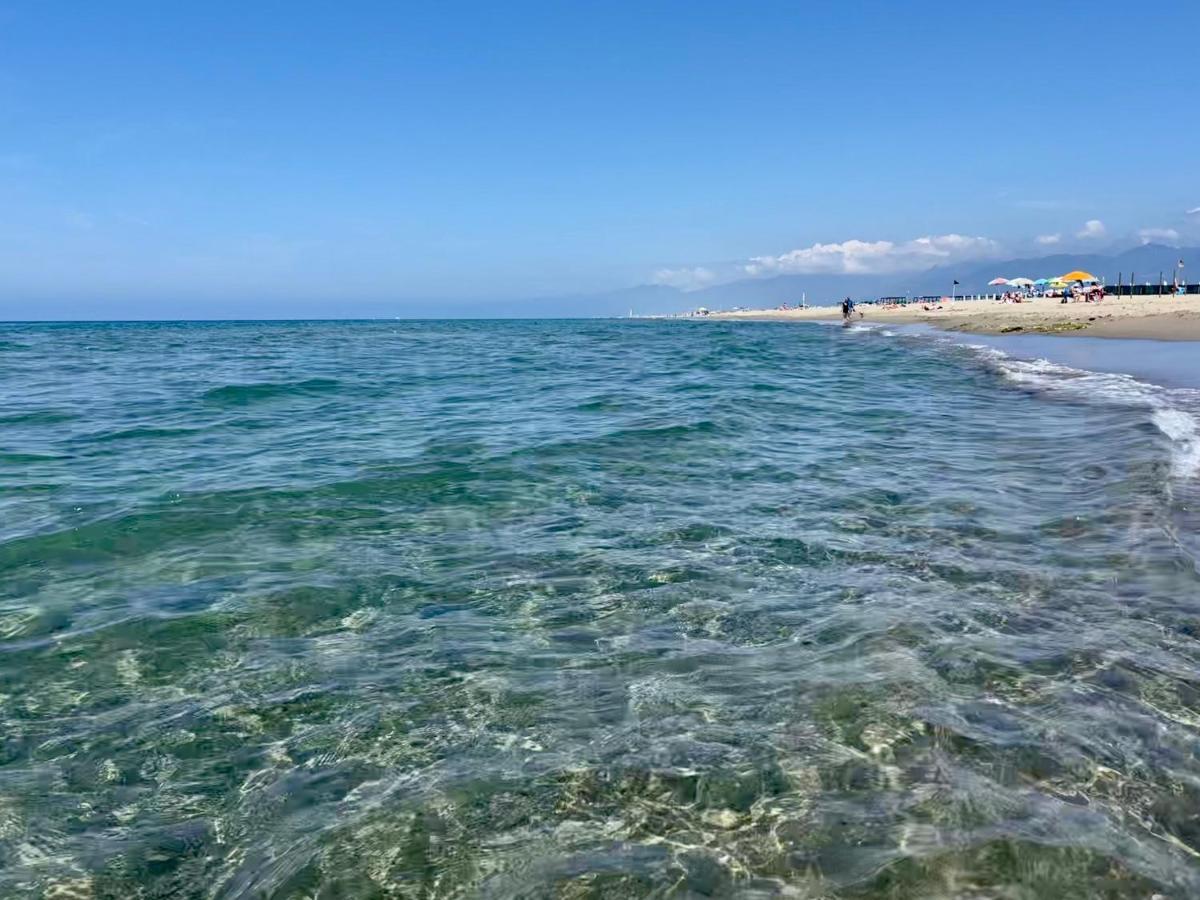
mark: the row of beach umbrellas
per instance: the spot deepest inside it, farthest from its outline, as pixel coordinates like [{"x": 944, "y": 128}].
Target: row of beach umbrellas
[{"x": 1061, "y": 281}]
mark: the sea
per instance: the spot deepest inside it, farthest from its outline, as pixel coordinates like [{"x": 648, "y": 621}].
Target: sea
[{"x": 594, "y": 609}]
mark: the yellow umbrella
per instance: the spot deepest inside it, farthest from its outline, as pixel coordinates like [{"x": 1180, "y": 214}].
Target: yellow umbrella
[{"x": 1078, "y": 275}]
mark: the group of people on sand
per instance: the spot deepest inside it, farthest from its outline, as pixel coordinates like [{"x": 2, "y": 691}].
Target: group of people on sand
[{"x": 1091, "y": 294}]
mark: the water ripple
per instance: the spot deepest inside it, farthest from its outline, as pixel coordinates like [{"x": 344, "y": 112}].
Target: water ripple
[{"x": 590, "y": 609}]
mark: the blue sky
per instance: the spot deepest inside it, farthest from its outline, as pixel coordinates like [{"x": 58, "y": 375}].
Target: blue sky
[{"x": 267, "y": 157}]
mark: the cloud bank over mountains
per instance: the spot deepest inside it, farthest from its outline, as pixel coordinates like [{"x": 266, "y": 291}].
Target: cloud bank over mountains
[
  {"x": 1158, "y": 236},
  {"x": 873, "y": 257},
  {"x": 853, "y": 257},
  {"x": 685, "y": 279},
  {"x": 886, "y": 257}
]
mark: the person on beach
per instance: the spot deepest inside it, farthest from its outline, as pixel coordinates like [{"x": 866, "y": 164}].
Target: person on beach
[{"x": 847, "y": 308}]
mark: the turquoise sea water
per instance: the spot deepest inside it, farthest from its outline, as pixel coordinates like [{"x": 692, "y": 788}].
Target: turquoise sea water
[{"x": 590, "y": 609}]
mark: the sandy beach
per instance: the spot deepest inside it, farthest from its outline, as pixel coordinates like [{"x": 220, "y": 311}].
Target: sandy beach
[{"x": 1152, "y": 318}]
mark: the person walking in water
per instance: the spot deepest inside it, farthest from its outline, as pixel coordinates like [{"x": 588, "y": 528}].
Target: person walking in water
[{"x": 847, "y": 310}]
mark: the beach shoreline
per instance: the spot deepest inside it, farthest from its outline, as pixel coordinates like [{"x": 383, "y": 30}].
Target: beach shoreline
[{"x": 1166, "y": 318}]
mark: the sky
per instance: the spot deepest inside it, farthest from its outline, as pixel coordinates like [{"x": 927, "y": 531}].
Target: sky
[{"x": 228, "y": 159}]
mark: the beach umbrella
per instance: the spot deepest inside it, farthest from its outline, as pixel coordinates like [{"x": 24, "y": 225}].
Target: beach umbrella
[
  {"x": 1056, "y": 283},
  {"x": 996, "y": 281},
  {"x": 1042, "y": 281},
  {"x": 1021, "y": 282},
  {"x": 1078, "y": 275}
]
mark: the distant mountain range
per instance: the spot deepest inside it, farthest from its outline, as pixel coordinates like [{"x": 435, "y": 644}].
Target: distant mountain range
[{"x": 1145, "y": 262}]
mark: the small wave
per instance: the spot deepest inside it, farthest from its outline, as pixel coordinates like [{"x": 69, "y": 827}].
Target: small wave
[
  {"x": 658, "y": 433},
  {"x": 1184, "y": 430},
  {"x": 141, "y": 433},
  {"x": 601, "y": 404},
  {"x": 243, "y": 394},
  {"x": 38, "y": 417},
  {"x": 1170, "y": 409},
  {"x": 1175, "y": 412},
  {"x": 17, "y": 458}
]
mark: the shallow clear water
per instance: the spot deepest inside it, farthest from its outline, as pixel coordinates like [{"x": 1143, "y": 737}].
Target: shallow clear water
[{"x": 590, "y": 609}]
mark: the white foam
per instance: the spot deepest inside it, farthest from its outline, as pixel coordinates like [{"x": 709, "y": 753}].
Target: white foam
[
  {"x": 1183, "y": 429},
  {"x": 1175, "y": 412}
]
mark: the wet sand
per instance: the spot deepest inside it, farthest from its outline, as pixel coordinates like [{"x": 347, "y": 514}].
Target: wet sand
[{"x": 1145, "y": 318}]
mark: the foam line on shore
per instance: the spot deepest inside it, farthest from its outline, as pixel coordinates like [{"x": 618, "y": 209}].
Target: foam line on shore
[{"x": 1175, "y": 412}]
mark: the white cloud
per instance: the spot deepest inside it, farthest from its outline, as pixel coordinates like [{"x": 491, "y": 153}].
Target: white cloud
[
  {"x": 685, "y": 279},
  {"x": 1047, "y": 239},
  {"x": 1150, "y": 235},
  {"x": 1194, "y": 211},
  {"x": 1092, "y": 228},
  {"x": 873, "y": 257}
]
